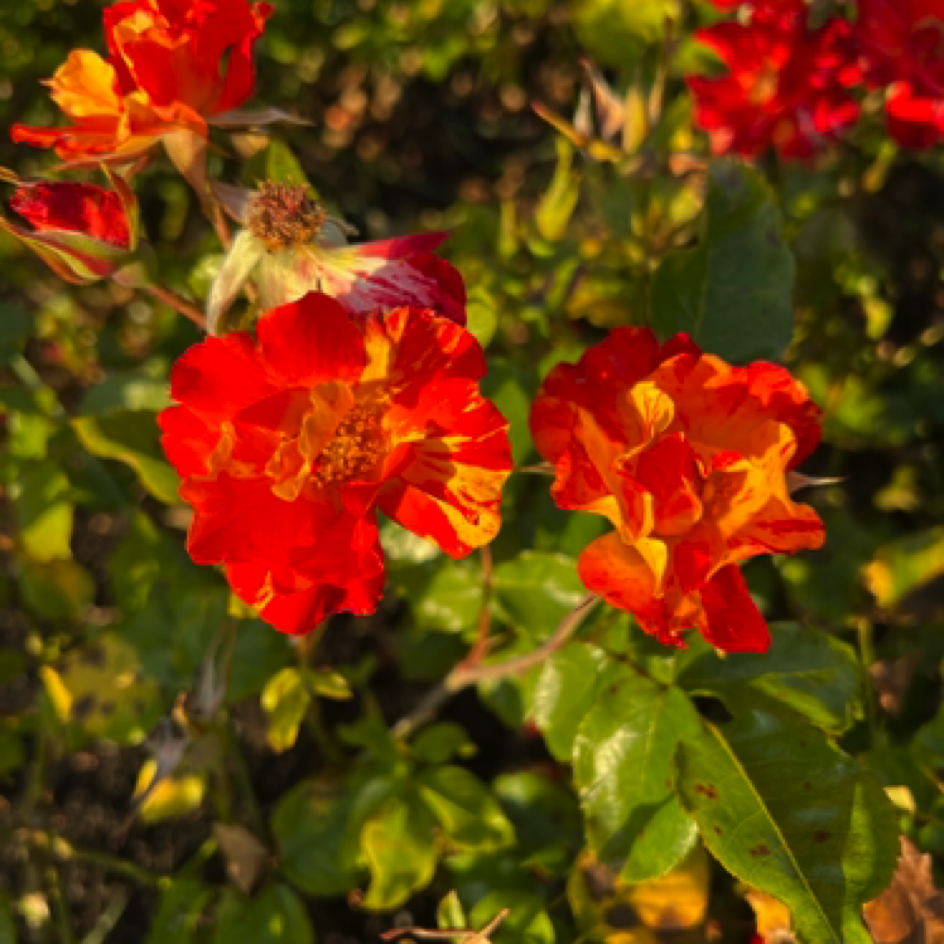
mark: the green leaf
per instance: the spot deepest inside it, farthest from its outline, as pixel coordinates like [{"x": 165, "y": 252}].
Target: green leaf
[
  {"x": 440, "y": 742},
  {"x": 545, "y": 816},
  {"x": 179, "y": 913},
  {"x": 58, "y": 589},
  {"x": 11, "y": 754},
  {"x": 43, "y": 510},
  {"x": 733, "y": 292},
  {"x": 282, "y": 165},
  {"x": 928, "y": 743},
  {"x": 482, "y": 314},
  {"x": 274, "y": 915},
  {"x": 469, "y": 815},
  {"x": 559, "y": 201},
  {"x": 624, "y": 770},
  {"x": 126, "y": 391},
  {"x": 285, "y": 699},
  {"x": 15, "y": 327},
  {"x": 309, "y": 825},
  {"x": 512, "y": 389},
  {"x": 901, "y": 568},
  {"x": 131, "y": 437},
  {"x": 450, "y": 915},
  {"x": 788, "y": 813},
  {"x": 257, "y": 656},
  {"x": 7, "y": 925},
  {"x": 526, "y": 923},
  {"x": 811, "y": 672},
  {"x": 565, "y": 690},
  {"x": 444, "y": 596},
  {"x": 535, "y": 591},
  {"x": 399, "y": 845}
]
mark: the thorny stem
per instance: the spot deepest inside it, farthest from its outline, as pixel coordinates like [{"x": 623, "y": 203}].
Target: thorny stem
[
  {"x": 464, "y": 937},
  {"x": 463, "y": 675},
  {"x": 178, "y": 303},
  {"x": 477, "y": 652}
]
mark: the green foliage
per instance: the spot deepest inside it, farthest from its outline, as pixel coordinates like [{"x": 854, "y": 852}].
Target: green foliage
[
  {"x": 602, "y": 775},
  {"x": 732, "y": 293},
  {"x": 782, "y": 809}
]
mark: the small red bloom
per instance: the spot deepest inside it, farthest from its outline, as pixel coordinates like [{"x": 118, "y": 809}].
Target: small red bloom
[
  {"x": 172, "y": 65},
  {"x": 902, "y": 43},
  {"x": 288, "y": 443},
  {"x": 687, "y": 457},
  {"x": 786, "y": 87},
  {"x": 83, "y": 232}
]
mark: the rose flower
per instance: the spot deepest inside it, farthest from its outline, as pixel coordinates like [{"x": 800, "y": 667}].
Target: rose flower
[
  {"x": 82, "y": 232},
  {"x": 288, "y": 442},
  {"x": 290, "y": 246},
  {"x": 688, "y": 458},
  {"x": 172, "y": 66},
  {"x": 902, "y": 43},
  {"x": 786, "y": 86}
]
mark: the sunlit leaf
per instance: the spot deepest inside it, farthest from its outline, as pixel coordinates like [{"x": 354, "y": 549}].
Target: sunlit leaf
[
  {"x": 469, "y": 815},
  {"x": 399, "y": 845},
  {"x": 131, "y": 437},
  {"x": 811, "y": 672},
  {"x": 275, "y": 915},
  {"x": 624, "y": 770},
  {"x": 785, "y": 811}
]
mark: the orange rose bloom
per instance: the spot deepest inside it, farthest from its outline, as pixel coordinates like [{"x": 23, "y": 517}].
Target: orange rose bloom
[
  {"x": 172, "y": 65},
  {"x": 289, "y": 442},
  {"x": 687, "y": 457}
]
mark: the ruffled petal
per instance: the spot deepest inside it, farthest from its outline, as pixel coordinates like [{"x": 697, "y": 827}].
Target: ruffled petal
[
  {"x": 311, "y": 341},
  {"x": 732, "y": 621}
]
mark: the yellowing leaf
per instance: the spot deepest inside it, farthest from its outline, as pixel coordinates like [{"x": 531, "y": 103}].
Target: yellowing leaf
[
  {"x": 102, "y": 689},
  {"x": 174, "y": 796}
]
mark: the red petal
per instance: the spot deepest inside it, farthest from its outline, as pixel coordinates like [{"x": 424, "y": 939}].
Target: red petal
[
  {"x": 733, "y": 622},
  {"x": 312, "y": 340},
  {"x": 221, "y": 376},
  {"x": 78, "y": 208}
]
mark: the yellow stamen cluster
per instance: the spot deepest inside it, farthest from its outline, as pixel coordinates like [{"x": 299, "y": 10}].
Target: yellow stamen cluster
[{"x": 357, "y": 445}]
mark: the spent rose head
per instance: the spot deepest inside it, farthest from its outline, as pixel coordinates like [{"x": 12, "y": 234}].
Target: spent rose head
[
  {"x": 688, "y": 458},
  {"x": 290, "y": 245}
]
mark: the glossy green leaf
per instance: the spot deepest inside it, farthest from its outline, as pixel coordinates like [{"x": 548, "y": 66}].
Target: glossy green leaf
[
  {"x": 399, "y": 846},
  {"x": 443, "y": 596},
  {"x": 809, "y": 671},
  {"x": 467, "y": 812},
  {"x": 733, "y": 292},
  {"x": 624, "y": 769},
  {"x": 564, "y": 692},
  {"x": 535, "y": 591},
  {"x": 788, "y": 813},
  {"x": 274, "y": 915},
  {"x": 527, "y": 922},
  {"x": 512, "y": 389},
  {"x": 131, "y": 437},
  {"x": 309, "y": 825}
]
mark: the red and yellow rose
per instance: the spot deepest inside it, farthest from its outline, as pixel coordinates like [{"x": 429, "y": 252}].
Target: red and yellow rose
[
  {"x": 688, "y": 458},
  {"x": 172, "y": 66},
  {"x": 287, "y": 444}
]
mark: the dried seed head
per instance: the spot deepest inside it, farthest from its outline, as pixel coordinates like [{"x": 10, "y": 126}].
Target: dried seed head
[{"x": 283, "y": 215}]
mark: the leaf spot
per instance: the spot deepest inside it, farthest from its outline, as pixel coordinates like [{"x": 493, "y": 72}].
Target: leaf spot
[
  {"x": 707, "y": 789},
  {"x": 822, "y": 835},
  {"x": 759, "y": 850}
]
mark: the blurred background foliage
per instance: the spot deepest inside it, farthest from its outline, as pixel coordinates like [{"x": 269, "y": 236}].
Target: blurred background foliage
[{"x": 127, "y": 819}]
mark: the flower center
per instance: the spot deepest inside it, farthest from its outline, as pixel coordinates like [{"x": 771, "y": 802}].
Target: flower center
[
  {"x": 322, "y": 454},
  {"x": 283, "y": 215},
  {"x": 357, "y": 446}
]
